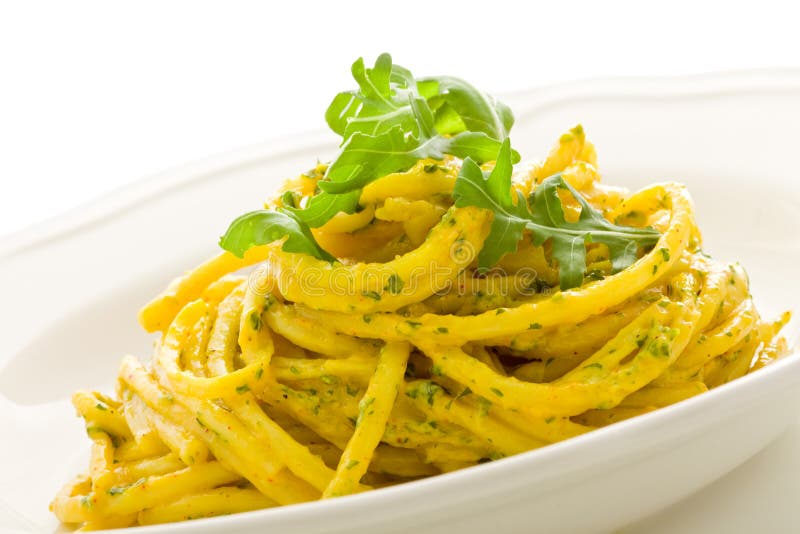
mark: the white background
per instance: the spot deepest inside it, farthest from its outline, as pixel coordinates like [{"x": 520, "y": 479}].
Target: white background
[{"x": 94, "y": 95}]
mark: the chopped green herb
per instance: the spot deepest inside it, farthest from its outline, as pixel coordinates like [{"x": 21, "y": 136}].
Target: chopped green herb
[
  {"x": 466, "y": 391},
  {"x": 255, "y": 321},
  {"x": 119, "y": 490},
  {"x": 363, "y": 406},
  {"x": 351, "y": 464},
  {"x": 427, "y": 389},
  {"x": 394, "y": 285},
  {"x": 484, "y": 405}
]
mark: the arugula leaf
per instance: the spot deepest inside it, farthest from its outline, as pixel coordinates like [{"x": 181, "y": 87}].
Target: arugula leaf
[
  {"x": 323, "y": 206},
  {"x": 545, "y": 219},
  {"x": 378, "y": 104},
  {"x": 460, "y": 107},
  {"x": 570, "y": 238},
  {"x": 493, "y": 192},
  {"x": 266, "y": 226},
  {"x": 393, "y": 120},
  {"x": 365, "y": 157}
]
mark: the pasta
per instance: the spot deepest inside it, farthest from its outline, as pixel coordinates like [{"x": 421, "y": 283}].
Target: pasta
[{"x": 301, "y": 379}]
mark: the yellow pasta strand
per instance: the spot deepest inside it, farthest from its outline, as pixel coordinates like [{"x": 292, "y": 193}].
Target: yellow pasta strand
[
  {"x": 374, "y": 409},
  {"x": 214, "y": 502}
]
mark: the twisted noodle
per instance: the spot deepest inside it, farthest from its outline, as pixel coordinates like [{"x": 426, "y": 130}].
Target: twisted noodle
[{"x": 309, "y": 380}]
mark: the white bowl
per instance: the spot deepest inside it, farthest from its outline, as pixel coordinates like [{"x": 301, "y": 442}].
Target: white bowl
[{"x": 72, "y": 286}]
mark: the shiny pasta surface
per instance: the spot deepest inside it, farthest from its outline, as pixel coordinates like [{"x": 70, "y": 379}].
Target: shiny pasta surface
[{"x": 278, "y": 378}]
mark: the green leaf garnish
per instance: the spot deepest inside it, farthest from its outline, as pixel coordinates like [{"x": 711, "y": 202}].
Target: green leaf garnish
[
  {"x": 461, "y": 107},
  {"x": 266, "y": 226},
  {"x": 394, "y": 120},
  {"x": 323, "y": 206},
  {"x": 545, "y": 219}
]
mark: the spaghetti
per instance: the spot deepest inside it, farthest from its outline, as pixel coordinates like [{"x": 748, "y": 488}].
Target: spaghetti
[{"x": 306, "y": 380}]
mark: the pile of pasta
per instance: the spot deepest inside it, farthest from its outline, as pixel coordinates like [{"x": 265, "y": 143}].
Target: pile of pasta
[{"x": 301, "y": 379}]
